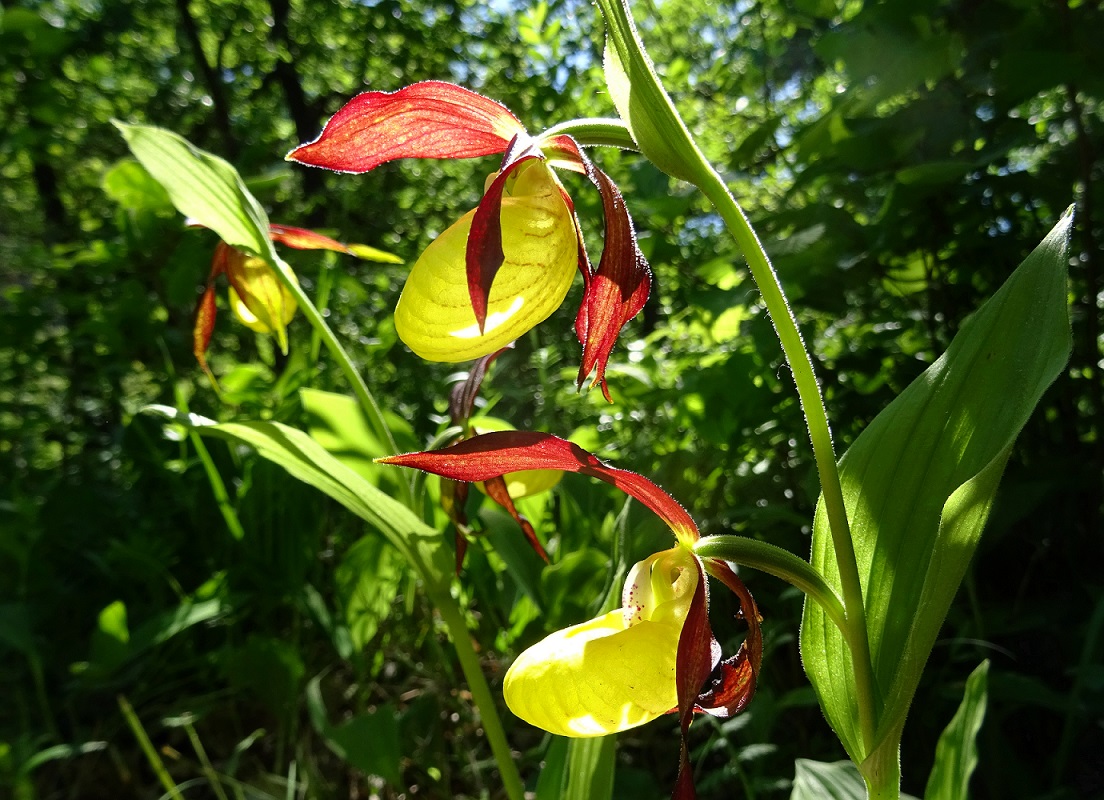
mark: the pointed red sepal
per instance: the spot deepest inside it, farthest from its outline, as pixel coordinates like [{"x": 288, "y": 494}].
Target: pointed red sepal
[
  {"x": 491, "y": 455},
  {"x": 484, "y": 252},
  {"x": 304, "y": 239},
  {"x": 497, "y": 491},
  {"x": 693, "y": 664},
  {"x": 732, "y": 683},
  {"x": 431, "y": 119}
]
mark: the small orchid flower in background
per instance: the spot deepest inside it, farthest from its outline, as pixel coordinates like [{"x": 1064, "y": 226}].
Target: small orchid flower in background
[
  {"x": 654, "y": 655},
  {"x": 508, "y": 264},
  {"x": 257, "y": 298}
]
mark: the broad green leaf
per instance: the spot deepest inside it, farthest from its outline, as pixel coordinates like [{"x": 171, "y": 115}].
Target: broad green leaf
[
  {"x": 203, "y": 187},
  {"x": 130, "y": 185},
  {"x": 369, "y": 741},
  {"x": 578, "y": 769},
  {"x": 918, "y": 484},
  {"x": 306, "y": 460},
  {"x": 956, "y": 753}
]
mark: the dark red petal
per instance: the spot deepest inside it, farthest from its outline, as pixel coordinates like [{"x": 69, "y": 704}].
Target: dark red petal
[
  {"x": 462, "y": 397},
  {"x": 303, "y": 239},
  {"x": 207, "y": 308},
  {"x": 497, "y": 491},
  {"x": 732, "y": 683},
  {"x": 431, "y": 119},
  {"x": 616, "y": 292},
  {"x": 693, "y": 665},
  {"x": 490, "y": 455},
  {"x": 484, "y": 254}
]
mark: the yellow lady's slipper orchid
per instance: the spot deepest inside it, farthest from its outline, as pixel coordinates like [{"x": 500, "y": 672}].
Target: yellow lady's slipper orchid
[
  {"x": 614, "y": 672},
  {"x": 506, "y": 266}
]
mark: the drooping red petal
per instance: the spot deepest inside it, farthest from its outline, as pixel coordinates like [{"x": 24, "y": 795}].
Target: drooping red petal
[
  {"x": 304, "y": 239},
  {"x": 732, "y": 684},
  {"x": 484, "y": 253},
  {"x": 497, "y": 491},
  {"x": 463, "y": 394},
  {"x": 693, "y": 665},
  {"x": 207, "y": 309},
  {"x": 616, "y": 292},
  {"x": 490, "y": 455},
  {"x": 431, "y": 119}
]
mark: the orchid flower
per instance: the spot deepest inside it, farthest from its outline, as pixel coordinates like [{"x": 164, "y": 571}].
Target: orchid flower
[
  {"x": 507, "y": 265},
  {"x": 257, "y": 298},
  {"x": 654, "y": 655}
]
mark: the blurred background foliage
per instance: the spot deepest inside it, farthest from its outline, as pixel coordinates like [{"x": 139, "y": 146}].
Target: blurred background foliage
[{"x": 899, "y": 160}]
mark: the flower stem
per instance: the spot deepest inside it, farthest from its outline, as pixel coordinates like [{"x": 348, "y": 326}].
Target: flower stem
[
  {"x": 664, "y": 138},
  {"x": 782, "y": 564},
  {"x": 481, "y": 694}
]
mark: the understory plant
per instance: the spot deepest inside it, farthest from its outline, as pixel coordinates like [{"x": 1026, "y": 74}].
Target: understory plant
[{"x": 899, "y": 514}]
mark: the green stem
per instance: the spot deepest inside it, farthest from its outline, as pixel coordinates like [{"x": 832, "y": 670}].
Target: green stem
[
  {"x": 155, "y": 762},
  {"x": 595, "y": 132},
  {"x": 481, "y": 694},
  {"x": 816, "y": 418},
  {"x": 665, "y": 140},
  {"x": 782, "y": 564}
]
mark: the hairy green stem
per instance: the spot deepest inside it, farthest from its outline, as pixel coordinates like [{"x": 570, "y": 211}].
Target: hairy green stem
[
  {"x": 782, "y": 564},
  {"x": 664, "y": 138},
  {"x": 481, "y": 694}
]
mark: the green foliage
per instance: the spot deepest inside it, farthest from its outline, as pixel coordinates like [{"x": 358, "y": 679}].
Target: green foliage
[
  {"x": 919, "y": 483},
  {"x": 956, "y": 754}
]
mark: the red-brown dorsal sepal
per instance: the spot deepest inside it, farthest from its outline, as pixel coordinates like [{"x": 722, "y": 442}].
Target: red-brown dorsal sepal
[
  {"x": 304, "y": 239},
  {"x": 431, "y": 119}
]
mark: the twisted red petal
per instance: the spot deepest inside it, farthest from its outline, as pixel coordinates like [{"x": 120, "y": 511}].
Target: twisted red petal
[
  {"x": 207, "y": 309},
  {"x": 693, "y": 665},
  {"x": 462, "y": 397},
  {"x": 617, "y": 291},
  {"x": 732, "y": 684},
  {"x": 431, "y": 119},
  {"x": 484, "y": 253},
  {"x": 497, "y": 491},
  {"x": 490, "y": 455}
]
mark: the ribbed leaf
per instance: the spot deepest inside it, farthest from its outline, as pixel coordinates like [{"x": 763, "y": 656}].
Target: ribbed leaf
[
  {"x": 918, "y": 484},
  {"x": 308, "y": 461},
  {"x": 203, "y": 187},
  {"x": 956, "y": 754}
]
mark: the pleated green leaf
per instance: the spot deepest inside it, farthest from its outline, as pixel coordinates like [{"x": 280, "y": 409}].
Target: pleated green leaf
[
  {"x": 203, "y": 187},
  {"x": 918, "y": 484},
  {"x": 821, "y": 780},
  {"x": 956, "y": 753}
]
